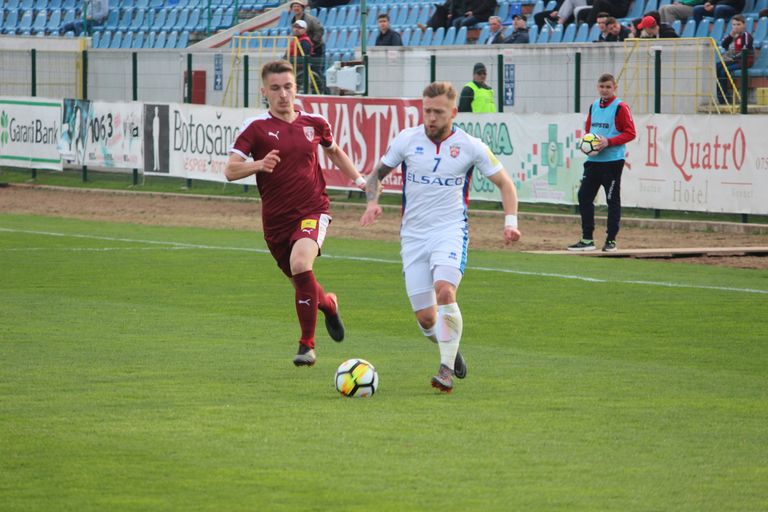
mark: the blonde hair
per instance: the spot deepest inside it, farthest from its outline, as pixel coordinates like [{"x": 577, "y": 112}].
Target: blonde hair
[{"x": 436, "y": 89}]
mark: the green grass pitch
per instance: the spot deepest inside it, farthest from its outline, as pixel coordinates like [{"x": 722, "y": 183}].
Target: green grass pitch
[{"x": 148, "y": 368}]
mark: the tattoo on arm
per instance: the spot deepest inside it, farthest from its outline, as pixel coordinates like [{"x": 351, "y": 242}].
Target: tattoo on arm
[{"x": 373, "y": 183}]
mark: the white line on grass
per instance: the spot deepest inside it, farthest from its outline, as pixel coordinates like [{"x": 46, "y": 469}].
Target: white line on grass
[{"x": 182, "y": 245}]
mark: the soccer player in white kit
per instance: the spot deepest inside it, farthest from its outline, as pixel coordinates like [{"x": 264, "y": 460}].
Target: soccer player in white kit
[{"x": 437, "y": 164}]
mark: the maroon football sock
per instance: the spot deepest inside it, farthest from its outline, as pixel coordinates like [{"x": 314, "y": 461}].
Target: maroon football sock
[{"x": 307, "y": 292}]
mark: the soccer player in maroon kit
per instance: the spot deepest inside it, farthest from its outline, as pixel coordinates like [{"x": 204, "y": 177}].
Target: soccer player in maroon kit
[{"x": 283, "y": 144}]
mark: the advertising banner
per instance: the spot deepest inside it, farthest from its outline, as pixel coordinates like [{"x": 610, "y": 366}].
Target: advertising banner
[
  {"x": 29, "y": 132},
  {"x": 363, "y": 128},
  {"x": 114, "y": 135},
  {"x": 191, "y": 141}
]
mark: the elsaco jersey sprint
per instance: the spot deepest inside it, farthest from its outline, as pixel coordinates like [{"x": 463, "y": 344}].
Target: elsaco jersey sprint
[{"x": 436, "y": 179}]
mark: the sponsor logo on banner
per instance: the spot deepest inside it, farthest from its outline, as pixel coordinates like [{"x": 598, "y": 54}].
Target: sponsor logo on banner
[
  {"x": 156, "y": 144},
  {"x": 29, "y": 132},
  {"x": 309, "y": 133}
]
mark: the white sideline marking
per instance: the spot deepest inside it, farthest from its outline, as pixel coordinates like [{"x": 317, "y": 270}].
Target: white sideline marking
[{"x": 181, "y": 245}]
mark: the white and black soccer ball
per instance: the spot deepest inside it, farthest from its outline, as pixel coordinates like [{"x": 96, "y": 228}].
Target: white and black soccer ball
[
  {"x": 589, "y": 144},
  {"x": 356, "y": 378}
]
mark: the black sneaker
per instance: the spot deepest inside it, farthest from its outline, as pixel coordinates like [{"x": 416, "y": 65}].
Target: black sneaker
[
  {"x": 582, "y": 245},
  {"x": 333, "y": 322},
  {"x": 459, "y": 366},
  {"x": 443, "y": 381},
  {"x": 305, "y": 356},
  {"x": 610, "y": 246}
]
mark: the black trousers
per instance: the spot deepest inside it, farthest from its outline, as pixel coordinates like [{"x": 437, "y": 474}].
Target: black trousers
[{"x": 608, "y": 176}]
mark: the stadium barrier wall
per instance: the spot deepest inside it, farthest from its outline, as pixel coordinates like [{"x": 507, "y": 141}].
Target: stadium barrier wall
[
  {"x": 677, "y": 162},
  {"x": 529, "y": 78}
]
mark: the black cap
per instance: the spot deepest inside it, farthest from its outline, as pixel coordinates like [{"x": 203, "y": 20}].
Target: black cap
[
  {"x": 521, "y": 16},
  {"x": 479, "y": 67}
]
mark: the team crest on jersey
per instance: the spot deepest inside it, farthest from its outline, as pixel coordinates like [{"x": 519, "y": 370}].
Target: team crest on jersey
[
  {"x": 455, "y": 150},
  {"x": 309, "y": 133}
]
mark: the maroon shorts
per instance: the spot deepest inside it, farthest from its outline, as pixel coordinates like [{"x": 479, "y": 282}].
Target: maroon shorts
[{"x": 280, "y": 243}]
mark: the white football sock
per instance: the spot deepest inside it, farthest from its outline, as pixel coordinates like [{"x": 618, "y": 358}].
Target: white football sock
[
  {"x": 429, "y": 333},
  {"x": 449, "y": 326}
]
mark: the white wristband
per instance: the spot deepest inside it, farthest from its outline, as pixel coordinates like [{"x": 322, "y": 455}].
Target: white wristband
[
  {"x": 359, "y": 181},
  {"x": 510, "y": 221}
]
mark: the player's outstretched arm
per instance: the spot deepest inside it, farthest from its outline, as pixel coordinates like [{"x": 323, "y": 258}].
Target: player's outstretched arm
[
  {"x": 340, "y": 159},
  {"x": 372, "y": 192},
  {"x": 237, "y": 168},
  {"x": 509, "y": 201}
]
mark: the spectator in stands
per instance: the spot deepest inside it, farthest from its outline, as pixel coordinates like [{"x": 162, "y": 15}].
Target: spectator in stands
[
  {"x": 601, "y": 18},
  {"x": 680, "y": 10},
  {"x": 477, "y": 96},
  {"x": 615, "y": 8},
  {"x": 742, "y": 43},
  {"x": 562, "y": 14},
  {"x": 520, "y": 34},
  {"x": 478, "y": 11},
  {"x": 95, "y": 11},
  {"x": 387, "y": 36},
  {"x": 650, "y": 28},
  {"x": 763, "y": 13},
  {"x": 444, "y": 15},
  {"x": 317, "y": 4},
  {"x": 300, "y": 34},
  {"x": 616, "y": 32},
  {"x": 718, "y": 9},
  {"x": 495, "y": 31},
  {"x": 315, "y": 29}
]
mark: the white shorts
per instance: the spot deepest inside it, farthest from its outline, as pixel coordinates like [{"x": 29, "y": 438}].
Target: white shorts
[{"x": 441, "y": 257}]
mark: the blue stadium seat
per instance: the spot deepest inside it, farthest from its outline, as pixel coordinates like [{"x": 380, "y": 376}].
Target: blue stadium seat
[
  {"x": 11, "y": 22},
  {"x": 636, "y": 10},
  {"x": 543, "y": 36},
  {"x": 484, "y": 33},
  {"x": 25, "y": 24},
  {"x": 550, "y": 5},
  {"x": 113, "y": 18},
  {"x": 26, "y": 5},
  {"x": 416, "y": 37},
  {"x": 461, "y": 36},
  {"x": 677, "y": 25},
  {"x": 183, "y": 41},
  {"x": 182, "y": 20},
  {"x": 170, "y": 20},
  {"x": 54, "y": 4},
  {"x": 149, "y": 41},
  {"x": 689, "y": 30},
  {"x": 194, "y": 21},
  {"x": 117, "y": 40},
  {"x": 159, "y": 19},
  {"x": 40, "y": 21},
  {"x": 582, "y": 33},
  {"x": 372, "y": 34},
  {"x": 438, "y": 36},
  {"x": 127, "y": 40},
  {"x": 662, "y": 3},
  {"x": 594, "y": 33},
  {"x": 759, "y": 67},
  {"x": 227, "y": 19},
  {"x": 537, "y": 8},
  {"x": 138, "y": 40},
  {"x": 405, "y": 35},
  {"x": 330, "y": 18},
  {"x": 331, "y": 38},
  {"x": 533, "y": 34},
  {"x": 41, "y": 5},
  {"x": 68, "y": 4},
  {"x": 160, "y": 40},
  {"x": 106, "y": 39},
  {"x": 651, "y": 5},
  {"x": 412, "y": 17},
  {"x": 402, "y": 15},
  {"x": 125, "y": 19},
  {"x": 173, "y": 38},
  {"x": 718, "y": 27},
  {"x": 139, "y": 20},
  {"x": 353, "y": 40},
  {"x": 450, "y": 36},
  {"x": 96, "y": 39},
  {"x": 322, "y": 16},
  {"x": 503, "y": 11},
  {"x": 761, "y": 33},
  {"x": 702, "y": 30},
  {"x": 54, "y": 22},
  {"x": 217, "y": 17},
  {"x": 426, "y": 37},
  {"x": 570, "y": 33}
]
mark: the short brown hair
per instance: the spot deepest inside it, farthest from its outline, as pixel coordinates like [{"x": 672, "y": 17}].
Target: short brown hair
[
  {"x": 739, "y": 17},
  {"x": 436, "y": 89},
  {"x": 382, "y": 15},
  {"x": 610, "y": 20},
  {"x": 276, "y": 67},
  {"x": 606, "y": 77}
]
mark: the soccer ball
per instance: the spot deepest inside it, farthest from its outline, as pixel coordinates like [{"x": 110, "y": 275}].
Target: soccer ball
[
  {"x": 588, "y": 144},
  {"x": 356, "y": 378}
]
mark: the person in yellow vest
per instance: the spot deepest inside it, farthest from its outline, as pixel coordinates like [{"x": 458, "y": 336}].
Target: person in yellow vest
[{"x": 477, "y": 96}]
